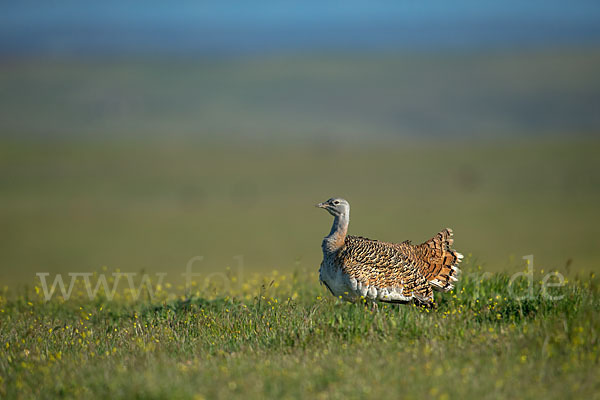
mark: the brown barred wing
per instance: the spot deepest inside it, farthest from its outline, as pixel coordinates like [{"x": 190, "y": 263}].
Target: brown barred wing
[{"x": 383, "y": 268}]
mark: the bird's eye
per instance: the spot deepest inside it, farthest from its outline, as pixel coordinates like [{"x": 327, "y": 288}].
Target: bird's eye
[{"x": 336, "y": 202}]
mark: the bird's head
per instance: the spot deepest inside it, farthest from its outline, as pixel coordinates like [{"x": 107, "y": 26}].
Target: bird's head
[{"x": 336, "y": 206}]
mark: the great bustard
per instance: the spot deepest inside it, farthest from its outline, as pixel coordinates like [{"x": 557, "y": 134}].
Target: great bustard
[{"x": 356, "y": 267}]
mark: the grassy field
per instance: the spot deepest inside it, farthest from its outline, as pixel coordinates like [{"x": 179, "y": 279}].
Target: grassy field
[
  {"x": 283, "y": 336},
  {"x": 150, "y": 166},
  {"x": 246, "y": 332}
]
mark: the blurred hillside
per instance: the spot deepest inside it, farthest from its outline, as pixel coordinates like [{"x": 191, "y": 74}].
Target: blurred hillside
[{"x": 291, "y": 98}]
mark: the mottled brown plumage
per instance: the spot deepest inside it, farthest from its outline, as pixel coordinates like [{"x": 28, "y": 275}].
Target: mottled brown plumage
[{"x": 355, "y": 267}]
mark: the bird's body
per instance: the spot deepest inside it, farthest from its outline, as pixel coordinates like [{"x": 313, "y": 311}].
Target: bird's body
[{"x": 356, "y": 267}]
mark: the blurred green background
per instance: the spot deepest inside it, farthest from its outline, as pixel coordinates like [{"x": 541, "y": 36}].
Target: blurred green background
[{"x": 142, "y": 155}]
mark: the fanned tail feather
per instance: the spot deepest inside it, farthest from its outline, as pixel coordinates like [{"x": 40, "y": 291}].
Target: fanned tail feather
[{"x": 441, "y": 262}]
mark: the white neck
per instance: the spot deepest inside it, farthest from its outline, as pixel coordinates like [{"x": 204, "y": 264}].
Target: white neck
[{"x": 335, "y": 240}]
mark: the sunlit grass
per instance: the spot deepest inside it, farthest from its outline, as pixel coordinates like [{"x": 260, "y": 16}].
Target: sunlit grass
[{"x": 282, "y": 335}]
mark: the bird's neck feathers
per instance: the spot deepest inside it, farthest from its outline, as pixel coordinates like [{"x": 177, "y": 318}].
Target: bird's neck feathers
[{"x": 335, "y": 240}]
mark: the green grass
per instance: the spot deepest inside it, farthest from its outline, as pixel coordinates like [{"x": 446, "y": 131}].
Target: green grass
[{"x": 283, "y": 336}]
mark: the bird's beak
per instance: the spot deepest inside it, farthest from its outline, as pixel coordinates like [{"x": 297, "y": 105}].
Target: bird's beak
[{"x": 321, "y": 205}]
